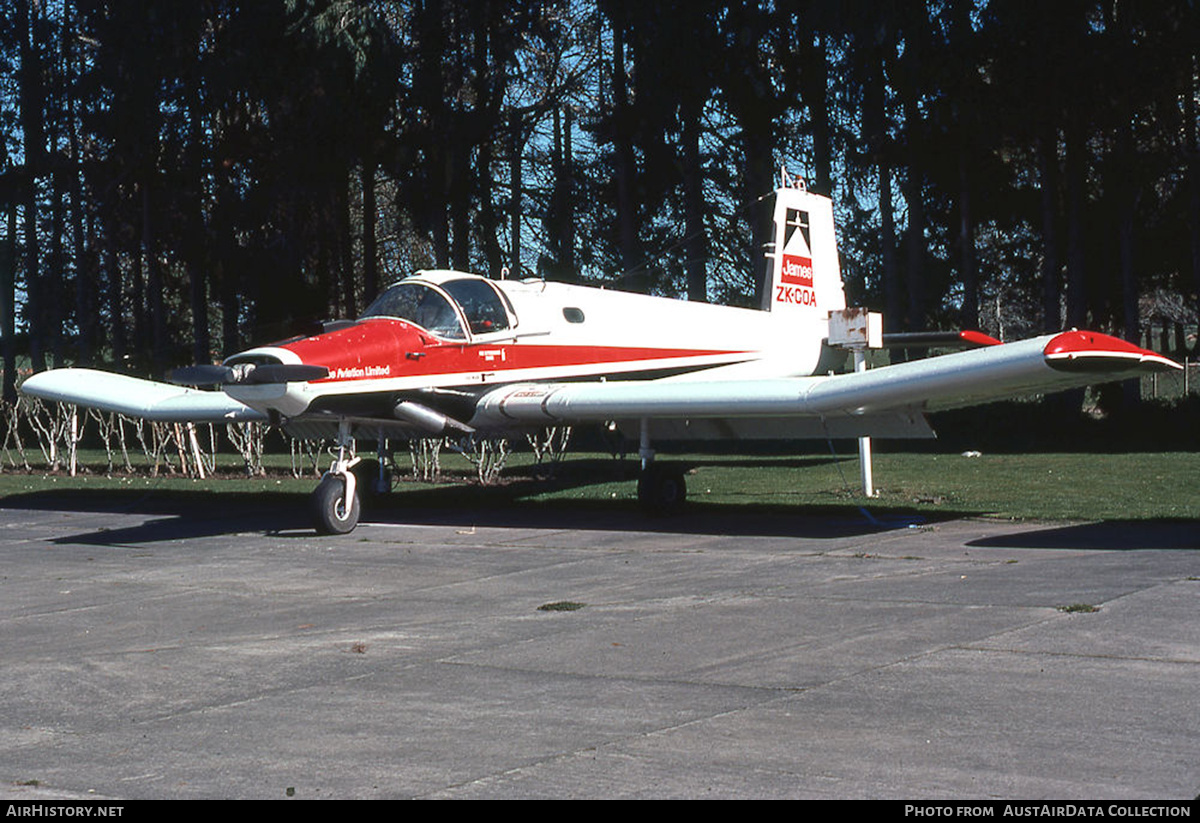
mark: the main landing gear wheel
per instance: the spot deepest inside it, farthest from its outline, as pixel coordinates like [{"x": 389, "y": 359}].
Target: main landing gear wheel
[
  {"x": 661, "y": 490},
  {"x": 332, "y": 513},
  {"x": 374, "y": 479}
]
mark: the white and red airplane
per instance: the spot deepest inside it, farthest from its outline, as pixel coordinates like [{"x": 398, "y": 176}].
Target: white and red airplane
[{"x": 449, "y": 353}]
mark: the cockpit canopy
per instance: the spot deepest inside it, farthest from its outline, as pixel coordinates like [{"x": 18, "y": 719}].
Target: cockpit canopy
[{"x": 443, "y": 309}]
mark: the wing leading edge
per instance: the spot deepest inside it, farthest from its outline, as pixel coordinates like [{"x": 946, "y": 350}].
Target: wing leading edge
[
  {"x": 135, "y": 397},
  {"x": 889, "y": 401}
]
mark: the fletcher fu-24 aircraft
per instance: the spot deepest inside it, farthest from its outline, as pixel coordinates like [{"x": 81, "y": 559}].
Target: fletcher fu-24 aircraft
[{"x": 450, "y": 353}]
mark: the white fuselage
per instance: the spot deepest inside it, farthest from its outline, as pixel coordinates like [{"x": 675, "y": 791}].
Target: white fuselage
[{"x": 548, "y": 332}]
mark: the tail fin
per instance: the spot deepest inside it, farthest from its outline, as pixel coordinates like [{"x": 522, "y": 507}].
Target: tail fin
[{"x": 805, "y": 278}]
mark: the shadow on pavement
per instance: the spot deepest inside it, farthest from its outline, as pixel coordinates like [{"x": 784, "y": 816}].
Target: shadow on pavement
[
  {"x": 183, "y": 514},
  {"x": 1111, "y": 535}
]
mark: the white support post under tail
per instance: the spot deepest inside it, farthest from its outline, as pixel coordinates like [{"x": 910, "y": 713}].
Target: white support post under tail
[
  {"x": 866, "y": 473},
  {"x": 857, "y": 329}
]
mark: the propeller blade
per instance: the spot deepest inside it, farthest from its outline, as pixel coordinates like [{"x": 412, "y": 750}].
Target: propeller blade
[
  {"x": 202, "y": 375},
  {"x": 246, "y": 373},
  {"x": 286, "y": 373}
]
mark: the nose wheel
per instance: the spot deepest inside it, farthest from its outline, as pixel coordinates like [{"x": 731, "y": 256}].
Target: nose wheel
[
  {"x": 335, "y": 503},
  {"x": 335, "y": 509}
]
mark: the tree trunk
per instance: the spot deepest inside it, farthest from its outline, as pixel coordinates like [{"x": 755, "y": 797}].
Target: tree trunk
[
  {"x": 1126, "y": 205},
  {"x": 966, "y": 245},
  {"x": 815, "y": 81},
  {"x": 1077, "y": 306},
  {"x": 32, "y": 98},
  {"x": 52, "y": 285},
  {"x": 696, "y": 245},
  {"x": 875, "y": 125},
  {"x": 8, "y": 270},
  {"x": 369, "y": 218},
  {"x": 82, "y": 236},
  {"x": 567, "y": 240},
  {"x": 154, "y": 280},
  {"x": 116, "y": 301},
  {"x": 1051, "y": 285},
  {"x": 345, "y": 247},
  {"x": 458, "y": 172},
  {"x": 627, "y": 213},
  {"x": 1192, "y": 147},
  {"x": 914, "y": 199},
  {"x": 226, "y": 259},
  {"x": 516, "y": 146},
  {"x": 489, "y": 223},
  {"x": 195, "y": 243}
]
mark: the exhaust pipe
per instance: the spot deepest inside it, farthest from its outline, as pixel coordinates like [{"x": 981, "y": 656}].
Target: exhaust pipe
[{"x": 427, "y": 419}]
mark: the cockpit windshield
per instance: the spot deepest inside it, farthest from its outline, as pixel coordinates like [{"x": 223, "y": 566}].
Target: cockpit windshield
[
  {"x": 482, "y": 306},
  {"x": 419, "y": 304}
]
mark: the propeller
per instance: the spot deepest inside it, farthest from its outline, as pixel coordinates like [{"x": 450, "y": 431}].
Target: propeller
[
  {"x": 246, "y": 373},
  {"x": 202, "y": 375},
  {"x": 285, "y": 373}
]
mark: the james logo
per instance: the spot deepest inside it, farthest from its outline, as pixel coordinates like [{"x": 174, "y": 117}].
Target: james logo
[{"x": 797, "y": 271}]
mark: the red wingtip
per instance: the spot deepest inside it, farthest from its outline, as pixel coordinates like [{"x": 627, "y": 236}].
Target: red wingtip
[
  {"x": 978, "y": 338},
  {"x": 1086, "y": 351}
]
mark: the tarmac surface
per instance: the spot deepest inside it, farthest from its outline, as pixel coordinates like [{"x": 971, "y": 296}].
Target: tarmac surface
[{"x": 161, "y": 649}]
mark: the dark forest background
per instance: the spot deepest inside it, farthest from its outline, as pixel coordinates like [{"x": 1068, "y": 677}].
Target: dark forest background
[{"x": 179, "y": 180}]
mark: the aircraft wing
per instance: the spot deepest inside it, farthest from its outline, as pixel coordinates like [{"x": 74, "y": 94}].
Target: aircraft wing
[
  {"x": 889, "y": 401},
  {"x": 136, "y": 397}
]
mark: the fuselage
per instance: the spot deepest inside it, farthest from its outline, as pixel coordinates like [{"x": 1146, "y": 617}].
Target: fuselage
[{"x": 445, "y": 335}]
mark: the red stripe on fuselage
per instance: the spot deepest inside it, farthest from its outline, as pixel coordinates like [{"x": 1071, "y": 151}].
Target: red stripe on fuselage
[{"x": 382, "y": 348}]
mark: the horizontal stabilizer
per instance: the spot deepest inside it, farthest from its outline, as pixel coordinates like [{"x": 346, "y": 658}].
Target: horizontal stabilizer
[
  {"x": 929, "y": 339},
  {"x": 135, "y": 397}
]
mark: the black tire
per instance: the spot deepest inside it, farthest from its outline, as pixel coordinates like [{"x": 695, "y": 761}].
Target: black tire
[
  {"x": 368, "y": 475},
  {"x": 661, "y": 490},
  {"x": 330, "y": 511}
]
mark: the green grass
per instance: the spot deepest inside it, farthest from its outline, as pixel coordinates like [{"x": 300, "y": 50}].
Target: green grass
[
  {"x": 1012, "y": 486},
  {"x": 561, "y": 606},
  {"x": 1047, "y": 486},
  {"x": 1079, "y": 608}
]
